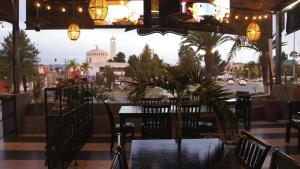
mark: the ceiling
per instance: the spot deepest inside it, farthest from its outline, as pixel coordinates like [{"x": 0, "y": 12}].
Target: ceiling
[
  {"x": 6, "y": 10},
  {"x": 57, "y": 20}
]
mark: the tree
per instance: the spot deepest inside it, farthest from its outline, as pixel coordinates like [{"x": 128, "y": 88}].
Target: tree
[
  {"x": 188, "y": 58},
  {"x": 132, "y": 59},
  {"x": 120, "y": 57},
  {"x": 85, "y": 67},
  {"x": 205, "y": 41},
  {"x": 219, "y": 64},
  {"x": 71, "y": 65},
  {"x": 109, "y": 76},
  {"x": 144, "y": 66},
  {"x": 262, "y": 48},
  {"x": 28, "y": 65}
]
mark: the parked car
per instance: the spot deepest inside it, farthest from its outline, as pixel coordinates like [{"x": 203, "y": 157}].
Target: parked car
[
  {"x": 230, "y": 82},
  {"x": 242, "y": 82}
]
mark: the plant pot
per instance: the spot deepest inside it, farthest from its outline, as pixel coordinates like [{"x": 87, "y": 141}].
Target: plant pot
[{"x": 272, "y": 109}]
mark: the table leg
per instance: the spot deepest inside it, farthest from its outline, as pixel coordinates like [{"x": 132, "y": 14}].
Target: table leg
[{"x": 122, "y": 130}]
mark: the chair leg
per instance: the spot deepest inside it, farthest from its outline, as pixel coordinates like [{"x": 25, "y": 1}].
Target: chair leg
[
  {"x": 112, "y": 141},
  {"x": 288, "y": 133}
]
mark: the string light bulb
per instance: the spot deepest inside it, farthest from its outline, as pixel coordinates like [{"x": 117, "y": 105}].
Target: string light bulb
[
  {"x": 37, "y": 4},
  {"x": 266, "y": 16},
  {"x": 48, "y": 7},
  {"x": 254, "y": 18},
  {"x": 63, "y": 9},
  {"x": 246, "y": 17},
  {"x": 259, "y": 17},
  {"x": 236, "y": 17},
  {"x": 80, "y": 9}
]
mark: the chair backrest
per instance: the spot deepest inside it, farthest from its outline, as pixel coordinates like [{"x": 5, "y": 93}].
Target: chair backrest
[
  {"x": 110, "y": 114},
  {"x": 251, "y": 151},
  {"x": 282, "y": 161},
  {"x": 190, "y": 115},
  {"x": 294, "y": 109},
  {"x": 156, "y": 116},
  {"x": 243, "y": 105},
  {"x": 241, "y": 93},
  {"x": 151, "y": 101}
]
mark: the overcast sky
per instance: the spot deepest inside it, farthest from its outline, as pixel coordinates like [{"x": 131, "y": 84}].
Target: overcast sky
[{"x": 56, "y": 44}]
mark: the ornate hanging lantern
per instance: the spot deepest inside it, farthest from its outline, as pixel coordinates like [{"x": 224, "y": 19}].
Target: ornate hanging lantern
[
  {"x": 98, "y": 10},
  {"x": 253, "y": 32},
  {"x": 73, "y": 31}
]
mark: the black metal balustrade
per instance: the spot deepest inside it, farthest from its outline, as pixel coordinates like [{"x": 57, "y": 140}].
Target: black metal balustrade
[{"x": 69, "y": 123}]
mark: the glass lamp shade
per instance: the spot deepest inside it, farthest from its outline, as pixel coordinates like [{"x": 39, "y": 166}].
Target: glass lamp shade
[
  {"x": 98, "y": 10},
  {"x": 253, "y": 32},
  {"x": 73, "y": 32}
]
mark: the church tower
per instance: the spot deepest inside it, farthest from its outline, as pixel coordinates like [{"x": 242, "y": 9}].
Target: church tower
[{"x": 112, "y": 47}]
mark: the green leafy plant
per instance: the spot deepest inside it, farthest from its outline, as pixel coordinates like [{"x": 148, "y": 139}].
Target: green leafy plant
[
  {"x": 38, "y": 85},
  {"x": 177, "y": 82}
]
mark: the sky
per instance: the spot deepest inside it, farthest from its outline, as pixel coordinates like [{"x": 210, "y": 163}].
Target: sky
[{"x": 56, "y": 44}]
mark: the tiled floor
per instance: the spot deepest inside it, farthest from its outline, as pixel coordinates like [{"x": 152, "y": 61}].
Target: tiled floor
[{"x": 27, "y": 151}]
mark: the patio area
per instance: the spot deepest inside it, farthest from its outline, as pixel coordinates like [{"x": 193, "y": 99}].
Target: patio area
[
  {"x": 221, "y": 91},
  {"x": 28, "y": 150}
]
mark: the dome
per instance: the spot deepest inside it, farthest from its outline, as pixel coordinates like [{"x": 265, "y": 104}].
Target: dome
[{"x": 97, "y": 52}]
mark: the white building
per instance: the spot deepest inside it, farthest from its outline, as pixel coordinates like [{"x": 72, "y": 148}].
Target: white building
[{"x": 97, "y": 58}]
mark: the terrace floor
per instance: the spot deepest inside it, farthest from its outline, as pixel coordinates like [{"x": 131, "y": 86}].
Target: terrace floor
[{"x": 28, "y": 151}]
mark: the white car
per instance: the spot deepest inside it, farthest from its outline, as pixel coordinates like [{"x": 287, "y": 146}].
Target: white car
[
  {"x": 230, "y": 82},
  {"x": 242, "y": 82}
]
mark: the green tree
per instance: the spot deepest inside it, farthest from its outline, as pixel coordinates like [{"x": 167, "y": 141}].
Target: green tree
[
  {"x": 262, "y": 48},
  {"x": 28, "y": 65},
  {"x": 71, "y": 65},
  {"x": 219, "y": 64},
  {"x": 120, "y": 57},
  {"x": 207, "y": 42},
  {"x": 144, "y": 66},
  {"x": 109, "y": 76},
  {"x": 85, "y": 67},
  {"x": 188, "y": 58},
  {"x": 132, "y": 59}
]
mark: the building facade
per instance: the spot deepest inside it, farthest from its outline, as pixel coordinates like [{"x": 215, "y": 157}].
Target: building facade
[{"x": 98, "y": 60}]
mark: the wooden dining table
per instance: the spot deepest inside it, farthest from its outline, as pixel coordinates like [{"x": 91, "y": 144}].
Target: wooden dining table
[
  {"x": 128, "y": 112},
  {"x": 185, "y": 154}
]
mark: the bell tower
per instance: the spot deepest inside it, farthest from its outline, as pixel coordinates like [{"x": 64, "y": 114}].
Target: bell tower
[{"x": 112, "y": 53}]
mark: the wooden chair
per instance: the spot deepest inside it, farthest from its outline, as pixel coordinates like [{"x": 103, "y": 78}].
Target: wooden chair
[
  {"x": 243, "y": 110},
  {"x": 151, "y": 101},
  {"x": 241, "y": 93},
  {"x": 115, "y": 127},
  {"x": 282, "y": 161},
  {"x": 156, "y": 121},
  {"x": 251, "y": 151},
  {"x": 294, "y": 120},
  {"x": 192, "y": 122}
]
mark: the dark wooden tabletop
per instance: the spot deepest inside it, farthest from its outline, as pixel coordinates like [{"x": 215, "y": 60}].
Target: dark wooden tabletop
[{"x": 193, "y": 154}]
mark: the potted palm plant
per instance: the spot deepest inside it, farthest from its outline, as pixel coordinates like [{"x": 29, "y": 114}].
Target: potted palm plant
[{"x": 177, "y": 81}]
